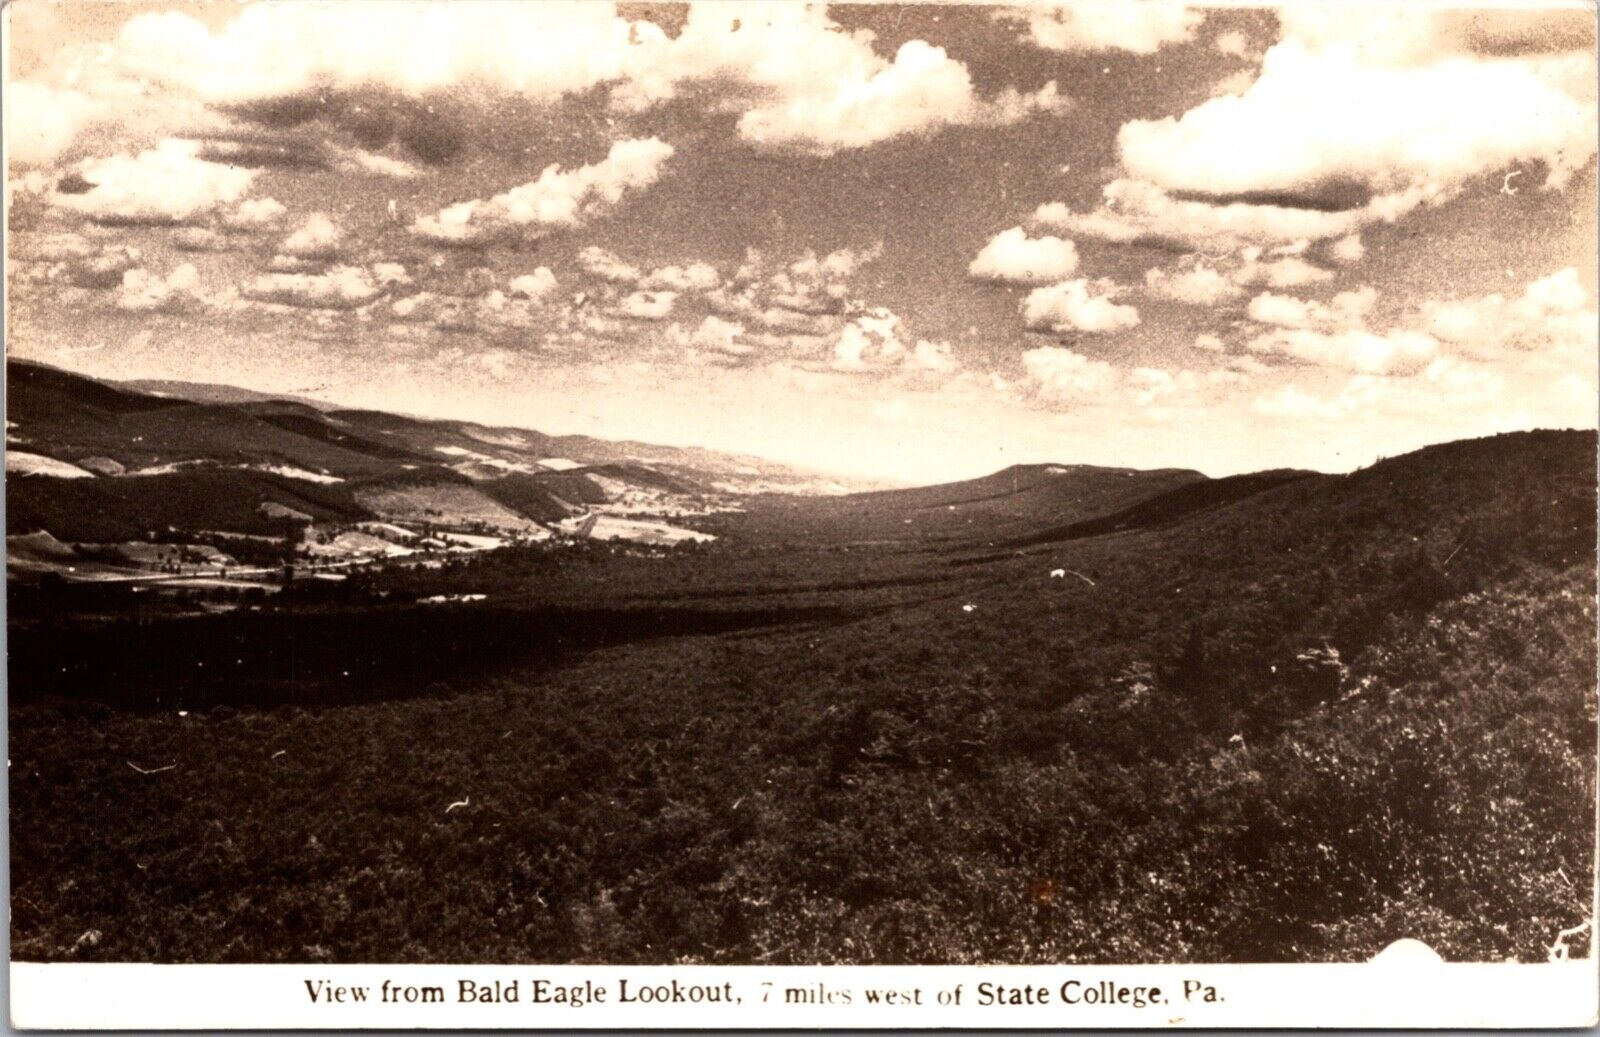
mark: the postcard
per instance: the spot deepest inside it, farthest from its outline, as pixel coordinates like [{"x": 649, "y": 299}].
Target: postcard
[{"x": 763, "y": 515}]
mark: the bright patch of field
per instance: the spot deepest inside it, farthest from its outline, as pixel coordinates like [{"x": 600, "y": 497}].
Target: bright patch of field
[
  {"x": 611, "y": 527},
  {"x": 21, "y": 463}
]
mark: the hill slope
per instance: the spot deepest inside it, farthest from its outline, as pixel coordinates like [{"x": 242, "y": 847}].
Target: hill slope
[{"x": 218, "y": 455}]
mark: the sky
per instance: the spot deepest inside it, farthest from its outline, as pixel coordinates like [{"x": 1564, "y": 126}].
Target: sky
[{"x": 912, "y": 243}]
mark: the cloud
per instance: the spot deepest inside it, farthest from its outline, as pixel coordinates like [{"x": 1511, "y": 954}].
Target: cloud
[
  {"x": 201, "y": 239},
  {"x": 1346, "y": 310},
  {"x": 358, "y": 160},
  {"x": 1410, "y": 130},
  {"x": 41, "y": 122},
  {"x": 276, "y": 50},
  {"x": 1012, "y": 256},
  {"x": 643, "y": 305},
  {"x": 165, "y": 184},
  {"x": 1348, "y": 249},
  {"x": 1551, "y": 323},
  {"x": 1288, "y": 272},
  {"x": 317, "y": 238},
  {"x": 1138, "y": 26},
  {"x": 608, "y": 266},
  {"x": 1552, "y": 314},
  {"x": 794, "y": 77},
  {"x": 1399, "y": 352},
  {"x": 144, "y": 291},
  {"x": 1335, "y": 334},
  {"x": 808, "y": 296},
  {"x": 877, "y": 342},
  {"x": 1445, "y": 392},
  {"x": 694, "y": 277},
  {"x": 1139, "y": 212},
  {"x": 933, "y": 357},
  {"x": 254, "y": 214},
  {"x": 1203, "y": 280},
  {"x": 1232, "y": 43},
  {"x": 558, "y": 199},
  {"x": 339, "y": 288},
  {"x": 391, "y": 274},
  {"x": 536, "y": 285},
  {"x": 922, "y": 90},
  {"x": 1060, "y": 375},
  {"x": 870, "y": 342},
  {"x": 70, "y": 258},
  {"x": 1198, "y": 284},
  {"x": 720, "y": 336},
  {"x": 1077, "y": 306},
  {"x": 1426, "y": 101}
]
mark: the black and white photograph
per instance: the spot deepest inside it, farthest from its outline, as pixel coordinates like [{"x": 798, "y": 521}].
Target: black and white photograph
[{"x": 767, "y": 484}]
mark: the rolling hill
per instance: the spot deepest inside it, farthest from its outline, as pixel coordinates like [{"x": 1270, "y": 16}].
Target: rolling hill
[{"x": 208, "y": 457}]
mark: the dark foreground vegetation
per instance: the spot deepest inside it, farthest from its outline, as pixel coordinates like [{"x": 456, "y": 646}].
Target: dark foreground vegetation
[{"x": 1290, "y": 720}]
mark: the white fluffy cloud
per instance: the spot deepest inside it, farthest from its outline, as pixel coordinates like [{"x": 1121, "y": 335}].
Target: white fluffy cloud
[
  {"x": 809, "y": 296},
  {"x": 1552, "y": 314},
  {"x": 720, "y": 336},
  {"x": 339, "y": 288},
  {"x": 692, "y": 277},
  {"x": 1335, "y": 335},
  {"x": 923, "y": 89},
  {"x": 1196, "y": 282},
  {"x": 536, "y": 285},
  {"x": 144, "y": 291},
  {"x": 165, "y": 184},
  {"x": 1060, "y": 375},
  {"x": 1077, "y": 305},
  {"x": 1380, "y": 114},
  {"x": 558, "y": 199},
  {"x": 1345, "y": 311},
  {"x": 277, "y": 49},
  {"x": 1546, "y": 330},
  {"x": 696, "y": 276},
  {"x": 1348, "y": 249},
  {"x": 1232, "y": 43},
  {"x": 1055, "y": 375},
  {"x": 644, "y": 305},
  {"x": 1202, "y": 280},
  {"x": 608, "y": 266},
  {"x": 1014, "y": 257},
  {"x": 254, "y": 214},
  {"x": 41, "y": 121},
  {"x": 1399, "y": 352},
  {"x": 1137, "y": 26},
  {"x": 1139, "y": 211},
  {"x": 871, "y": 341},
  {"x": 877, "y": 342},
  {"x": 795, "y": 77},
  {"x": 71, "y": 259},
  {"x": 1351, "y": 122},
  {"x": 317, "y": 238}
]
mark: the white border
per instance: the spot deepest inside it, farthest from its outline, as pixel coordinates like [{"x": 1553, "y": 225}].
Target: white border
[{"x": 183, "y": 997}]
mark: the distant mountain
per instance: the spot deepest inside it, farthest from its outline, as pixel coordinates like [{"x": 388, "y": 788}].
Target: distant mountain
[
  {"x": 1016, "y": 502},
  {"x": 212, "y": 392},
  {"x": 184, "y": 456}
]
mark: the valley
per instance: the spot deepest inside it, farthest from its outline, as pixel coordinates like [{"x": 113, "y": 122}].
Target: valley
[{"x": 700, "y": 711}]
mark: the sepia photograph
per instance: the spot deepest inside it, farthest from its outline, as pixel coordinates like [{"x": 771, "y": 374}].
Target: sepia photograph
[{"x": 767, "y": 484}]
